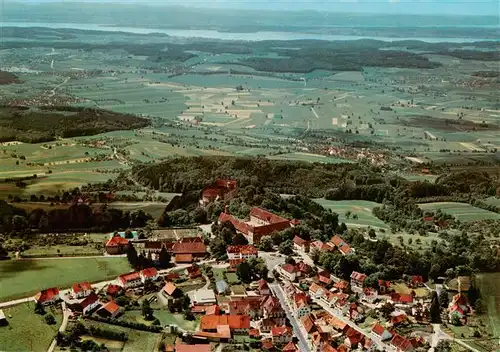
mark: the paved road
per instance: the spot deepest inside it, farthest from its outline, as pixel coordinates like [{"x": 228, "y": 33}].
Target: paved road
[
  {"x": 16, "y": 301},
  {"x": 383, "y": 346},
  {"x": 297, "y": 327}
]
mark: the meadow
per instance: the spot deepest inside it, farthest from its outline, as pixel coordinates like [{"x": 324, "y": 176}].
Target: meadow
[
  {"x": 490, "y": 292},
  {"x": 461, "y": 211},
  {"x": 27, "y": 331},
  {"x": 24, "y": 277},
  {"x": 363, "y": 210}
]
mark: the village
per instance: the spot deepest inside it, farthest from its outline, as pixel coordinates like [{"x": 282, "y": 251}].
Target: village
[{"x": 288, "y": 304}]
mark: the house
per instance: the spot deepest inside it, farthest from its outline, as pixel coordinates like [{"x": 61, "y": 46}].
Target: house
[
  {"x": 336, "y": 323},
  {"x": 241, "y": 252},
  {"x": 341, "y": 245},
  {"x": 401, "y": 298},
  {"x": 204, "y": 297},
  {"x": 263, "y": 288},
  {"x": 214, "y": 309},
  {"x": 170, "y": 291},
  {"x": 262, "y": 223},
  {"x": 401, "y": 344},
  {"x": 148, "y": 274},
  {"x": 186, "y": 250},
  {"x": 325, "y": 278},
  {"x": 383, "y": 286},
  {"x": 182, "y": 347},
  {"x": 117, "y": 245},
  {"x": 89, "y": 304},
  {"x": 281, "y": 334},
  {"x": 322, "y": 247},
  {"x": 268, "y": 346},
  {"x": 130, "y": 280},
  {"x": 238, "y": 324},
  {"x": 3, "y": 319},
  {"x": 290, "y": 347},
  {"x": 303, "y": 269},
  {"x": 48, "y": 296},
  {"x": 289, "y": 271},
  {"x": 399, "y": 319},
  {"x": 301, "y": 244},
  {"x": 113, "y": 290},
  {"x": 316, "y": 291},
  {"x": 271, "y": 308},
  {"x": 416, "y": 281},
  {"x": 247, "y": 306},
  {"x": 221, "y": 286},
  {"x": 369, "y": 295},
  {"x": 381, "y": 332},
  {"x": 267, "y": 324},
  {"x": 342, "y": 286},
  {"x": 357, "y": 279},
  {"x": 308, "y": 323},
  {"x": 353, "y": 338},
  {"x": 110, "y": 310},
  {"x": 301, "y": 304},
  {"x": 319, "y": 341},
  {"x": 220, "y": 190},
  {"x": 82, "y": 289},
  {"x": 193, "y": 271}
]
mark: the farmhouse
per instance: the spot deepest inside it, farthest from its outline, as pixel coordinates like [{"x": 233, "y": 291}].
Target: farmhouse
[
  {"x": 341, "y": 245},
  {"x": 238, "y": 324},
  {"x": 170, "y": 291},
  {"x": 381, "y": 332},
  {"x": 301, "y": 244},
  {"x": 220, "y": 190},
  {"x": 262, "y": 223},
  {"x": 89, "y": 304},
  {"x": 193, "y": 271},
  {"x": 48, "y": 296},
  {"x": 82, "y": 289},
  {"x": 117, "y": 245},
  {"x": 148, "y": 274},
  {"x": 110, "y": 310},
  {"x": 130, "y": 280},
  {"x": 357, "y": 279},
  {"x": 241, "y": 252},
  {"x": 188, "y": 249}
]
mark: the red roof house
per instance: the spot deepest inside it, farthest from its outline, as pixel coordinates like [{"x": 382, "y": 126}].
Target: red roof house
[
  {"x": 82, "y": 289},
  {"x": 117, "y": 245},
  {"x": 148, "y": 274},
  {"x": 48, "y": 296},
  {"x": 193, "y": 271}
]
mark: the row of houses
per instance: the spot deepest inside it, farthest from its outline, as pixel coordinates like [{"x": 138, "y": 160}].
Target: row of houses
[{"x": 335, "y": 243}]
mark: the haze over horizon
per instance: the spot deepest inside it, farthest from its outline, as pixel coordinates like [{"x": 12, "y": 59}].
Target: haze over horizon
[{"x": 429, "y": 7}]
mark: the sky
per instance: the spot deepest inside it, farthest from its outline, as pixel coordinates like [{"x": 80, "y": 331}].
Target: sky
[{"x": 429, "y": 7}]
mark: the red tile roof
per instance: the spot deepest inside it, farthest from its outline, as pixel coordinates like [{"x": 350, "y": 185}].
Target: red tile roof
[
  {"x": 244, "y": 249},
  {"x": 378, "y": 329},
  {"x": 169, "y": 288},
  {"x": 91, "y": 299},
  {"x": 47, "y": 295},
  {"x": 341, "y": 285},
  {"x": 417, "y": 279},
  {"x": 183, "y": 258},
  {"x": 263, "y": 285},
  {"x": 267, "y": 216},
  {"x": 172, "y": 276},
  {"x": 193, "y": 271},
  {"x": 401, "y": 343},
  {"x": 210, "y": 322},
  {"x": 307, "y": 323},
  {"x": 116, "y": 241},
  {"x": 401, "y": 298},
  {"x": 129, "y": 277},
  {"x": 299, "y": 241},
  {"x": 149, "y": 272},
  {"x": 281, "y": 330},
  {"x": 189, "y": 248},
  {"x": 113, "y": 289},
  {"x": 182, "y": 347},
  {"x": 358, "y": 276},
  {"x": 384, "y": 283},
  {"x": 82, "y": 286},
  {"x": 290, "y": 347},
  {"x": 289, "y": 268},
  {"x": 111, "y": 307}
]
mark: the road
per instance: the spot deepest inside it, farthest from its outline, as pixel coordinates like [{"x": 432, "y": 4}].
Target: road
[
  {"x": 297, "y": 325},
  {"x": 62, "y": 328},
  {"x": 375, "y": 338},
  {"x": 17, "y": 301},
  {"x": 314, "y": 112}
]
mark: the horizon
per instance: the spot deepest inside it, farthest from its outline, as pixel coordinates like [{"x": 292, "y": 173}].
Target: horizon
[{"x": 355, "y": 7}]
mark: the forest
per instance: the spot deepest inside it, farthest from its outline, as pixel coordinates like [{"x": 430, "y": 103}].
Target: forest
[{"x": 32, "y": 125}]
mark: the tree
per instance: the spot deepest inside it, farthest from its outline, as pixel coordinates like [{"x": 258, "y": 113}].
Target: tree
[
  {"x": 286, "y": 247},
  {"x": 479, "y": 306},
  {"x": 244, "y": 272},
  {"x": 314, "y": 255},
  {"x": 443, "y": 346},
  {"x": 444, "y": 300},
  {"x": 348, "y": 214},
  {"x": 132, "y": 256},
  {"x": 266, "y": 244},
  {"x": 239, "y": 239},
  {"x": 129, "y": 234},
  {"x": 372, "y": 233},
  {"x": 164, "y": 258},
  {"x": 49, "y": 319},
  {"x": 147, "y": 311},
  {"x": 387, "y": 309},
  {"x": 39, "y": 309},
  {"x": 435, "y": 309}
]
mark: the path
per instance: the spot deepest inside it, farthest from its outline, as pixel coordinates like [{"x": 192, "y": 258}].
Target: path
[
  {"x": 53, "y": 90},
  {"x": 64, "y": 324},
  {"x": 297, "y": 328},
  {"x": 17, "y": 301},
  {"x": 314, "y": 112}
]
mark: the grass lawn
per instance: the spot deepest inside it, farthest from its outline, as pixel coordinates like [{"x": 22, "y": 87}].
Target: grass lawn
[
  {"x": 27, "y": 331},
  {"x": 232, "y": 278},
  {"x": 111, "y": 345},
  {"x": 137, "y": 340},
  {"x": 20, "y": 278},
  {"x": 402, "y": 288},
  {"x": 490, "y": 292},
  {"x": 361, "y": 208},
  {"x": 61, "y": 250},
  {"x": 461, "y": 211},
  {"x": 165, "y": 318}
]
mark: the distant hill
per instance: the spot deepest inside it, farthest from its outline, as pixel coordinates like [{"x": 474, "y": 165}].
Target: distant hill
[
  {"x": 8, "y": 78},
  {"x": 35, "y": 125}
]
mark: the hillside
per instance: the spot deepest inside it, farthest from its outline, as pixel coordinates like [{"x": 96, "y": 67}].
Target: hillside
[
  {"x": 33, "y": 125},
  {"x": 7, "y": 78}
]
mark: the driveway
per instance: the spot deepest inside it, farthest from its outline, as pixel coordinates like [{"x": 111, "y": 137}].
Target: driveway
[{"x": 297, "y": 325}]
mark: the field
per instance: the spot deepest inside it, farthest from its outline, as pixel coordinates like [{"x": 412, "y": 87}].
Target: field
[
  {"x": 404, "y": 289},
  {"x": 461, "y": 211},
  {"x": 361, "y": 208},
  {"x": 27, "y": 331},
  {"x": 165, "y": 318},
  {"x": 20, "y": 278},
  {"x": 490, "y": 292}
]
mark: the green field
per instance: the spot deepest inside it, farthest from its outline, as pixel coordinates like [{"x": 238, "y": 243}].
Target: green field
[
  {"x": 490, "y": 293},
  {"x": 461, "y": 211},
  {"x": 363, "y": 209},
  {"x": 21, "y": 278},
  {"x": 27, "y": 331},
  {"x": 165, "y": 318}
]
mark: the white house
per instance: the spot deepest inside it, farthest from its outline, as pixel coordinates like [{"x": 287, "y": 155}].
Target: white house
[
  {"x": 82, "y": 289},
  {"x": 130, "y": 280},
  {"x": 148, "y": 274},
  {"x": 241, "y": 252},
  {"x": 289, "y": 271},
  {"x": 90, "y": 303}
]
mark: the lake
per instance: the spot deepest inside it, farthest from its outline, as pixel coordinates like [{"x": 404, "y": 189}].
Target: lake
[{"x": 213, "y": 34}]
